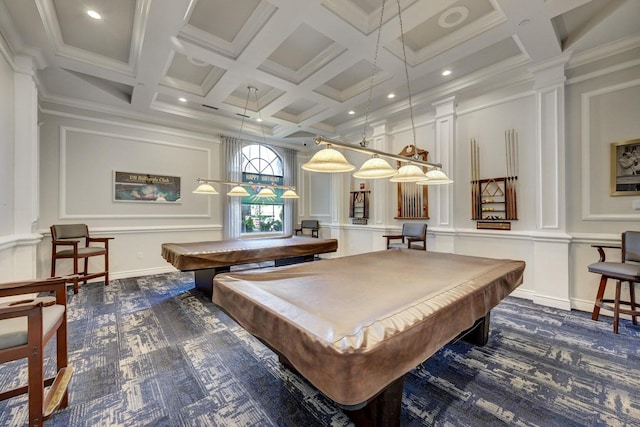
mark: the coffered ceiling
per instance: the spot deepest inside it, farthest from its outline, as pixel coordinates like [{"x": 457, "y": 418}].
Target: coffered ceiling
[{"x": 311, "y": 61}]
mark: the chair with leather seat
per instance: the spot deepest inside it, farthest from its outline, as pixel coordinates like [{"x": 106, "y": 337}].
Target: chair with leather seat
[
  {"x": 312, "y": 225},
  {"x": 27, "y": 324},
  {"x": 76, "y": 238},
  {"x": 627, "y": 270},
  {"x": 414, "y": 236}
]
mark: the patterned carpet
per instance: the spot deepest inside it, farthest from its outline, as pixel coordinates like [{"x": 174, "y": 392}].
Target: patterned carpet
[{"x": 152, "y": 351}]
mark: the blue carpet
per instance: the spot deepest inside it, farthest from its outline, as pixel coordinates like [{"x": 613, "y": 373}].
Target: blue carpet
[{"x": 153, "y": 351}]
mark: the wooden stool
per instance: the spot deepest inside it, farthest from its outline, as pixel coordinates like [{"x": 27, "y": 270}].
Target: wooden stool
[{"x": 620, "y": 272}]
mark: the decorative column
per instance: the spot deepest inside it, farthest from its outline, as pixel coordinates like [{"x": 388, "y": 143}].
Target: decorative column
[
  {"x": 26, "y": 171},
  {"x": 441, "y": 210},
  {"x": 551, "y": 242},
  {"x": 380, "y": 208}
]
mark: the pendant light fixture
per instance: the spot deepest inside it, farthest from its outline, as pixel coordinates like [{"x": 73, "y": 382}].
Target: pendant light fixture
[
  {"x": 409, "y": 173},
  {"x": 435, "y": 177},
  {"x": 375, "y": 167},
  {"x": 331, "y": 160},
  {"x": 239, "y": 189},
  {"x": 205, "y": 188},
  {"x": 328, "y": 160},
  {"x": 289, "y": 194},
  {"x": 266, "y": 192}
]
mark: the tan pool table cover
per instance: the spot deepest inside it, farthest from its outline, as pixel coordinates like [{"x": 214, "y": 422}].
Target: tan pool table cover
[
  {"x": 353, "y": 325},
  {"x": 202, "y": 255}
]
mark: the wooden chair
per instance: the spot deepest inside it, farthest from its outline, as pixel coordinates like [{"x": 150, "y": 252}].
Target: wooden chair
[
  {"x": 76, "y": 236},
  {"x": 628, "y": 270},
  {"x": 309, "y": 224},
  {"x": 414, "y": 234},
  {"x": 26, "y": 326}
]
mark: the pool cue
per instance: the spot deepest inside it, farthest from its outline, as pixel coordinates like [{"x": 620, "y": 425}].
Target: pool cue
[
  {"x": 511, "y": 173},
  {"x": 515, "y": 175},
  {"x": 478, "y": 184},
  {"x": 473, "y": 179},
  {"x": 507, "y": 180}
]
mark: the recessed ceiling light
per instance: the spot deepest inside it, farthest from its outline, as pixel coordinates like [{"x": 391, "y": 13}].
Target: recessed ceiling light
[
  {"x": 258, "y": 119},
  {"x": 182, "y": 99},
  {"x": 94, "y": 14},
  {"x": 352, "y": 112},
  {"x": 446, "y": 72},
  {"x": 391, "y": 95}
]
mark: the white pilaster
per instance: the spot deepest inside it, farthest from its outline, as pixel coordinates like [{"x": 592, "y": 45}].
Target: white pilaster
[
  {"x": 551, "y": 243},
  {"x": 442, "y": 195},
  {"x": 338, "y": 196},
  {"x": 380, "y": 206},
  {"x": 26, "y": 170},
  {"x": 26, "y": 146}
]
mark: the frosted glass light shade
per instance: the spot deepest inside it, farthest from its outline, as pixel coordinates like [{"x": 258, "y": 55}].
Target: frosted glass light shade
[
  {"x": 409, "y": 173},
  {"x": 205, "y": 188},
  {"x": 238, "y": 191},
  {"x": 435, "y": 177},
  {"x": 328, "y": 160},
  {"x": 375, "y": 168},
  {"x": 266, "y": 192},
  {"x": 290, "y": 194}
]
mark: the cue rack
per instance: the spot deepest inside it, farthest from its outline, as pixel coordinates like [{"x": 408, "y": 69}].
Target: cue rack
[
  {"x": 494, "y": 200},
  {"x": 413, "y": 199}
]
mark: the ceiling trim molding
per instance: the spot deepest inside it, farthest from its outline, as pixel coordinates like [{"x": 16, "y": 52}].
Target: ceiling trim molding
[
  {"x": 297, "y": 77},
  {"x": 604, "y": 51},
  {"x": 52, "y": 29},
  {"x": 466, "y": 33},
  {"x": 233, "y": 49}
]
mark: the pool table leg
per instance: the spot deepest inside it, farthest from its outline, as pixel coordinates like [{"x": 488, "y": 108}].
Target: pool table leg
[
  {"x": 382, "y": 410},
  {"x": 204, "y": 278},
  {"x": 294, "y": 260},
  {"x": 478, "y": 334}
]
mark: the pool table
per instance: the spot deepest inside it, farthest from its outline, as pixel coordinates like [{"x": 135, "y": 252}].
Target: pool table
[
  {"x": 206, "y": 259},
  {"x": 353, "y": 326}
]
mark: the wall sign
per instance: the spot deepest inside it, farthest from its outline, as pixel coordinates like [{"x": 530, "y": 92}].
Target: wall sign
[{"x": 145, "y": 187}]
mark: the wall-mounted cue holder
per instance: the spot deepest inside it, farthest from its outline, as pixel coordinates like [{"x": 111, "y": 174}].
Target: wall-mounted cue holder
[
  {"x": 359, "y": 207},
  {"x": 494, "y": 200}
]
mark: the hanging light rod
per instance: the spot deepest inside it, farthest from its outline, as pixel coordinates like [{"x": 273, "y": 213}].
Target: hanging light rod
[
  {"x": 320, "y": 140},
  {"x": 204, "y": 187}
]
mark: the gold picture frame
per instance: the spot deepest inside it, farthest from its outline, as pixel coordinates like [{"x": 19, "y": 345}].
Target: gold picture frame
[{"x": 625, "y": 168}]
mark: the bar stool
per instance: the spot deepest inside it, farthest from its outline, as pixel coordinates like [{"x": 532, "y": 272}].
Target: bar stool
[{"x": 623, "y": 271}]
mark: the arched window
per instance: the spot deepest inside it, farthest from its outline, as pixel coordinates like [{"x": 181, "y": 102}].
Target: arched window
[{"x": 262, "y": 165}]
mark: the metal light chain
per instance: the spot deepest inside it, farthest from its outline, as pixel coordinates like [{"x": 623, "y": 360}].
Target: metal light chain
[
  {"x": 406, "y": 71},
  {"x": 244, "y": 114},
  {"x": 364, "y": 143},
  {"x": 255, "y": 89}
]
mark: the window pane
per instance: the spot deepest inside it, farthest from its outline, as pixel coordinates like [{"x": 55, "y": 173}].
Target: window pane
[{"x": 265, "y": 218}]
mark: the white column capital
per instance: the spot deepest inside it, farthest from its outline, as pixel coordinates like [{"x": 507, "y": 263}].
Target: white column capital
[
  {"x": 551, "y": 72},
  {"x": 445, "y": 107}
]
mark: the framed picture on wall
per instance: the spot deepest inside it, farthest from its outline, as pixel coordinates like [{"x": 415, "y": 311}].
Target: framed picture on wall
[
  {"x": 145, "y": 187},
  {"x": 359, "y": 204},
  {"x": 625, "y": 168}
]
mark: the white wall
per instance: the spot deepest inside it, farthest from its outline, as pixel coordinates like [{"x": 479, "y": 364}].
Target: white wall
[
  {"x": 7, "y": 241},
  {"x": 79, "y": 152},
  {"x": 6, "y": 144},
  {"x": 602, "y": 106},
  {"x": 79, "y": 156},
  {"x": 601, "y": 110}
]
